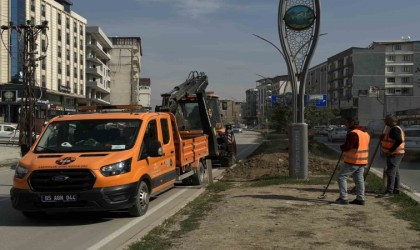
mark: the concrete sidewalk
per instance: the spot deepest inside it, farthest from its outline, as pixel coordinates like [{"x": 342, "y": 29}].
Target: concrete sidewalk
[{"x": 9, "y": 155}]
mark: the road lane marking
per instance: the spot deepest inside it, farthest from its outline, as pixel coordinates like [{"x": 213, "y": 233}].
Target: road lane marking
[{"x": 132, "y": 223}]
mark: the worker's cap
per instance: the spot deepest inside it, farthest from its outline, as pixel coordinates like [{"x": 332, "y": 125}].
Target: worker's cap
[
  {"x": 353, "y": 120},
  {"x": 391, "y": 118}
]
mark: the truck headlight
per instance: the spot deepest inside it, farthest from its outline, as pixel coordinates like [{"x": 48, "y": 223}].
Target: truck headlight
[
  {"x": 118, "y": 168},
  {"x": 21, "y": 172}
]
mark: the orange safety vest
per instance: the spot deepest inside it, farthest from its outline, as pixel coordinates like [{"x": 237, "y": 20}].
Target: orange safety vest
[
  {"x": 358, "y": 155},
  {"x": 388, "y": 142}
]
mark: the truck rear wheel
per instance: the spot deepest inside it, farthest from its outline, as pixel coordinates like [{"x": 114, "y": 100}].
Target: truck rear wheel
[
  {"x": 141, "y": 201},
  {"x": 198, "y": 177}
]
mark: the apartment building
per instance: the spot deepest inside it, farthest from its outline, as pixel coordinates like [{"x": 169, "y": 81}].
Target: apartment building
[
  {"x": 59, "y": 77},
  {"x": 98, "y": 73},
  {"x": 231, "y": 111},
  {"x": 317, "y": 79},
  {"x": 125, "y": 68},
  {"x": 371, "y": 82}
]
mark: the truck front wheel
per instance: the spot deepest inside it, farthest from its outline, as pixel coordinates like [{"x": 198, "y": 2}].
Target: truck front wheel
[
  {"x": 198, "y": 177},
  {"x": 141, "y": 201}
]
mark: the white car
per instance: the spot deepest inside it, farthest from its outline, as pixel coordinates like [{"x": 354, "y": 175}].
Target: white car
[
  {"x": 337, "y": 133},
  {"x": 237, "y": 129},
  {"x": 412, "y": 138},
  {"x": 8, "y": 132}
]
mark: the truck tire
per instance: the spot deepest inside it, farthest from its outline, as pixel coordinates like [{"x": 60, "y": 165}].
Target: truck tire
[
  {"x": 141, "y": 201},
  {"x": 198, "y": 177}
]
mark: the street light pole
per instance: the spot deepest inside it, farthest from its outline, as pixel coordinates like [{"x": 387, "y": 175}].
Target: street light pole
[{"x": 298, "y": 35}]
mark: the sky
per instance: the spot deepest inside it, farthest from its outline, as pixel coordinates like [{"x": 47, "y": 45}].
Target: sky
[{"x": 215, "y": 36}]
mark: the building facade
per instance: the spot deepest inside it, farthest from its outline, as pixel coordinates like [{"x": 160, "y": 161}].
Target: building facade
[
  {"x": 369, "y": 83},
  {"x": 145, "y": 93},
  {"x": 317, "y": 79},
  {"x": 231, "y": 111},
  {"x": 98, "y": 74},
  {"x": 60, "y": 73},
  {"x": 125, "y": 68}
]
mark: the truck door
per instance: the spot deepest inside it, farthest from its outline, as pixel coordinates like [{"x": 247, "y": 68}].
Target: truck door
[
  {"x": 168, "y": 148},
  {"x": 157, "y": 163}
]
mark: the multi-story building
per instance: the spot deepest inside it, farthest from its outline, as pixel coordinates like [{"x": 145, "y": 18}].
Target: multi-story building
[
  {"x": 60, "y": 74},
  {"x": 125, "y": 68},
  {"x": 231, "y": 111},
  {"x": 259, "y": 100},
  {"x": 98, "y": 74},
  {"x": 316, "y": 79},
  {"x": 371, "y": 82}
]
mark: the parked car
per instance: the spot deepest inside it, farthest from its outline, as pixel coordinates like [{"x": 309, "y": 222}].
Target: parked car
[
  {"x": 337, "y": 133},
  {"x": 237, "y": 129},
  {"x": 412, "y": 138},
  {"x": 9, "y": 132}
]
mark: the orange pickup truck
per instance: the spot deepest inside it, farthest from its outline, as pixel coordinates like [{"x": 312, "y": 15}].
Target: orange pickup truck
[{"x": 106, "y": 161}]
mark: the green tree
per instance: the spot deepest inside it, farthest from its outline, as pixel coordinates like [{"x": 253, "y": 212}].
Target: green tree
[{"x": 280, "y": 117}]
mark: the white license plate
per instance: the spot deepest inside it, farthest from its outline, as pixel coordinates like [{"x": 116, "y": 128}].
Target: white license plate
[{"x": 59, "y": 197}]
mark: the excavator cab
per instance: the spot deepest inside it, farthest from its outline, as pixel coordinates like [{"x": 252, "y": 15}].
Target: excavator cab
[{"x": 195, "y": 109}]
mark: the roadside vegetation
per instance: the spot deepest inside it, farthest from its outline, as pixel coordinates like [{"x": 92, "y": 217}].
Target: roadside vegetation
[{"x": 273, "y": 155}]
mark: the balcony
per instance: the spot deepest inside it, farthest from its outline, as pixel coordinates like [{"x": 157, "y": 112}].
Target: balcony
[
  {"x": 94, "y": 71},
  {"x": 98, "y": 50},
  {"x": 98, "y": 86}
]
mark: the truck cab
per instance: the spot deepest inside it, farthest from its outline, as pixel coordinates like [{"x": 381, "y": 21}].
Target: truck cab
[{"x": 106, "y": 161}]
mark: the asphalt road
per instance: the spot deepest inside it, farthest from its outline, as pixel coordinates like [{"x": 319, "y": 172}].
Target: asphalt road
[{"x": 105, "y": 230}]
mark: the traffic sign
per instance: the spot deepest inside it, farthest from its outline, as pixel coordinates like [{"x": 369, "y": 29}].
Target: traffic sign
[{"x": 318, "y": 100}]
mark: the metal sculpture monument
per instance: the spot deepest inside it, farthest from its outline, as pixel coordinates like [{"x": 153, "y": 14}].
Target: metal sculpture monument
[{"x": 298, "y": 24}]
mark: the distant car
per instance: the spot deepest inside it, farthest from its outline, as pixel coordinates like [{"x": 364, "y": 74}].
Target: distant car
[
  {"x": 337, "y": 133},
  {"x": 8, "y": 132},
  {"x": 237, "y": 129},
  {"x": 412, "y": 138}
]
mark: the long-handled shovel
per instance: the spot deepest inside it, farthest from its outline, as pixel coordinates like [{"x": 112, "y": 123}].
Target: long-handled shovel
[{"x": 323, "y": 196}]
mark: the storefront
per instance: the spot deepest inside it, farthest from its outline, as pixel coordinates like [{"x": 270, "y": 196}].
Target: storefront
[{"x": 10, "y": 102}]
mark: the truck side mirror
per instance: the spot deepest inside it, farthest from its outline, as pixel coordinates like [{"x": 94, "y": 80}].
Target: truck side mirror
[{"x": 155, "y": 148}]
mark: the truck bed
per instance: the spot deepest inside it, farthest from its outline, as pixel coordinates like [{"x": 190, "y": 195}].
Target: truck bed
[{"x": 191, "y": 146}]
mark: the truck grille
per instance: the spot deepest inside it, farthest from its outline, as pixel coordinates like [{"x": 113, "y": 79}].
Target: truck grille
[{"x": 61, "y": 180}]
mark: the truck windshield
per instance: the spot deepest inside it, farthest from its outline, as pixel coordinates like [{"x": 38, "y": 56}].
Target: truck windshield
[{"x": 88, "y": 136}]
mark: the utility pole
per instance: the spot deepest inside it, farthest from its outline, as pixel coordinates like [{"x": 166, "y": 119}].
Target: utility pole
[{"x": 30, "y": 33}]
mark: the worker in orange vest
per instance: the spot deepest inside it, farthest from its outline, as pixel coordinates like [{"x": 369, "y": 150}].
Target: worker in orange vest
[
  {"x": 355, "y": 156},
  {"x": 393, "y": 147}
]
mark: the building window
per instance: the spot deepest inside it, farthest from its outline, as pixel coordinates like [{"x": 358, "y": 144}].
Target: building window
[
  {"x": 67, "y": 39},
  {"x": 406, "y": 79},
  {"x": 81, "y": 59},
  {"x": 75, "y": 72},
  {"x": 391, "y": 69},
  {"x": 33, "y": 20},
  {"x": 67, "y": 71},
  {"x": 59, "y": 35},
  {"x": 43, "y": 46},
  {"x": 68, "y": 23},
  {"x": 391, "y": 58},
  {"x": 44, "y": 81},
  {"x": 59, "y": 18},
  {"x": 68, "y": 84},
  {"x": 81, "y": 30},
  {"x": 405, "y": 91},
  {"x": 397, "y": 47},
  {"x": 74, "y": 27},
  {"x": 59, "y": 68},
  {"x": 81, "y": 89},
  {"x": 59, "y": 51},
  {"x": 390, "y": 79},
  {"x": 32, "y": 5},
  {"x": 81, "y": 74},
  {"x": 43, "y": 64},
  {"x": 407, "y": 58},
  {"x": 68, "y": 55},
  {"x": 406, "y": 69},
  {"x": 75, "y": 57},
  {"x": 59, "y": 82},
  {"x": 42, "y": 10},
  {"x": 390, "y": 90},
  {"x": 81, "y": 44}
]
